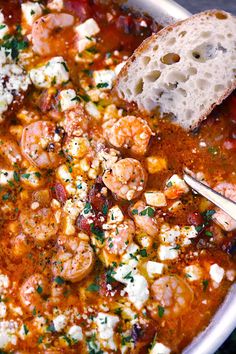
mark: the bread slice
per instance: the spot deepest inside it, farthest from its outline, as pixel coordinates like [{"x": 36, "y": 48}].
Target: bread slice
[{"x": 186, "y": 69}]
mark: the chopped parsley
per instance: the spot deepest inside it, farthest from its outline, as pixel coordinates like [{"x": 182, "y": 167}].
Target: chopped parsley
[
  {"x": 102, "y": 85},
  {"x": 105, "y": 210},
  {"x": 143, "y": 252},
  {"x": 26, "y": 331},
  {"x": 87, "y": 208},
  {"x": 25, "y": 175},
  {"x": 208, "y": 233},
  {"x": 205, "y": 284},
  {"x": 39, "y": 289},
  {"x": 93, "y": 288},
  {"x": 59, "y": 280},
  {"x": 109, "y": 277},
  {"x": 97, "y": 232},
  {"x": 16, "y": 176},
  {"x": 161, "y": 311},
  {"x": 6, "y": 196},
  {"x": 148, "y": 211},
  {"x": 135, "y": 212},
  {"x": 129, "y": 277}
]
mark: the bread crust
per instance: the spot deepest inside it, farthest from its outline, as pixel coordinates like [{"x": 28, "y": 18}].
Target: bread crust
[{"x": 154, "y": 38}]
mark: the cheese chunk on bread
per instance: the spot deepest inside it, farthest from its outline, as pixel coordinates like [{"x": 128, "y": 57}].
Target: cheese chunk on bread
[{"x": 184, "y": 70}]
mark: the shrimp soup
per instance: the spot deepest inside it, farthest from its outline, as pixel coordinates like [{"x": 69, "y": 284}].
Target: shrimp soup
[{"x": 104, "y": 248}]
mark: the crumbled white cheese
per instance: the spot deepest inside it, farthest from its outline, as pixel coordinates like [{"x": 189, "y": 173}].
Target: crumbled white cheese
[
  {"x": 55, "y": 5},
  {"x": 169, "y": 235},
  {"x": 67, "y": 99},
  {"x": 193, "y": 272},
  {"x": 75, "y": 332},
  {"x": 106, "y": 324},
  {"x": 156, "y": 199},
  {"x": 114, "y": 217},
  {"x": 136, "y": 284},
  {"x": 8, "y": 333},
  {"x": 31, "y": 11},
  {"x": 6, "y": 176},
  {"x": 3, "y": 27},
  {"x": 154, "y": 268},
  {"x": 216, "y": 273},
  {"x": 4, "y": 283},
  {"x": 175, "y": 234},
  {"x": 160, "y": 348},
  {"x": 3, "y": 310},
  {"x": 177, "y": 185},
  {"x": 167, "y": 253},
  {"x": 131, "y": 256},
  {"x": 88, "y": 28},
  {"x": 59, "y": 322},
  {"x": 103, "y": 78},
  {"x": 230, "y": 274},
  {"x": 189, "y": 231},
  {"x": 31, "y": 177},
  {"x": 137, "y": 291},
  {"x": 92, "y": 109},
  {"x": 54, "y": 72},
  {"x": 17, "y": 81}
]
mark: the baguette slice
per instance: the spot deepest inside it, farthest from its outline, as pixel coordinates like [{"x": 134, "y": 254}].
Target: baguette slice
[{"x": 186, "y": 69}]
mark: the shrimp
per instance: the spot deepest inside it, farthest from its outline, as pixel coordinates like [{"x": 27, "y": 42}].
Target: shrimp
[
  {"x": 38, "y": 145},
  {"x": 173, "y": 293},
  {"x": 131, "y": 133},
  {"x": 74, "y": 259},
  {"x": 220, "y": 217},
  {"x": 47, "y": 38},
  {"x": 118, "y": 239},
  {"x": 127, "y": 178},
  {"x": 10, "y": 151},
  {"x": 33, "y": 292},
  {"x": 40, "y": 224},
  {"x": 144, "y": 218},
  {"x": 76, "y": 121}
]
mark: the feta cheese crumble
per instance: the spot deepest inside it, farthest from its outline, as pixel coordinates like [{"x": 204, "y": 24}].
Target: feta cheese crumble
[
  {"x": 136, "y": 285},
  {"x": 167, "y": 253},
  {"x": 156, "y": 199},
  {"x": 54, "y": 72},
  {"x": 67, "y": 99},
  {"x": 154, "y": 268},
  {"x": 160, "y": 348},
  {"x": 13, "y": 80},
  {"x": 59, "y": 322},
  {"x": 103, "y": 79},
  {"x": 85, "y": 32},
  {"x": 31, "y": 11},
  {"x": 193, "y": 272},
  {"x": 75, "y": 332},
  {"x": 106, "y": 324},
  {"x": 175, "y": 186},
  {"x": 216, "y": 273},
  {"x": 55, "y": 5}
]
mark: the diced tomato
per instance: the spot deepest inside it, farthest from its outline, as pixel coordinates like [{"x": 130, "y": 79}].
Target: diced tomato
[
  {"x": 60, "y": 192},
  {"x": 195, "y": 219},
  {"x": 106, "y": 288},
  {"x": 98, "y": 201}
]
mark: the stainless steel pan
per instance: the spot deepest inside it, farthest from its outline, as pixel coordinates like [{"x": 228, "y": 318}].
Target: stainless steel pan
[{"x": 224, "y": 321}]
